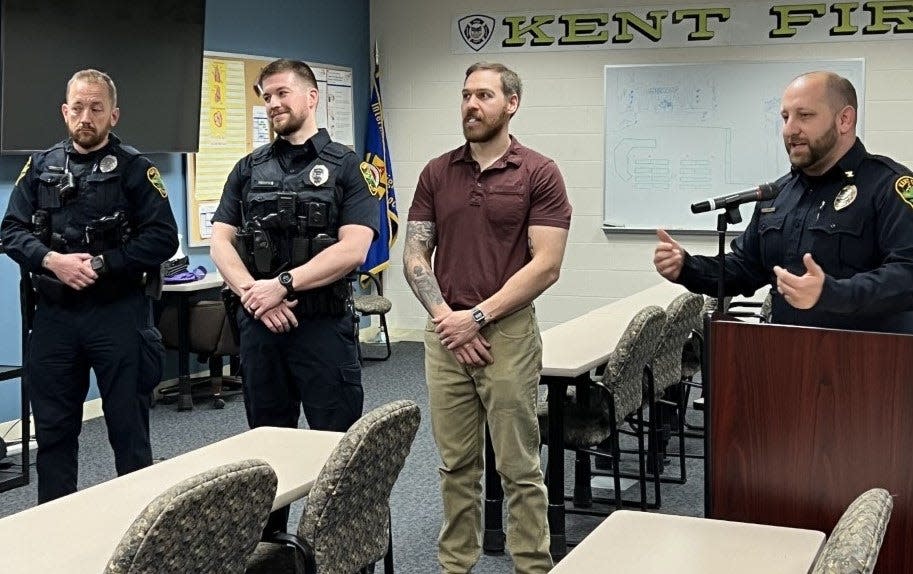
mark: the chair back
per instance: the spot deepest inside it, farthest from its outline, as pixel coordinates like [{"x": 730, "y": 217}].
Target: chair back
[
  {"x": 346, "y": 519},
  {"x": 683, "y": 316},
  {"x": 624, "y": 374},
  {"x": 853, "y": 546},
  {"x": 209, "y": 330},
  {"x": 208, "y": 523}
]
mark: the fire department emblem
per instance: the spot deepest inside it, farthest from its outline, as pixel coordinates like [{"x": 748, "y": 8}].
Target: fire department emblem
[{"x": 476, "y": 30}]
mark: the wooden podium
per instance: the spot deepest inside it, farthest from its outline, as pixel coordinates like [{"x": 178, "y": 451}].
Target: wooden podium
[{"x": 803, "y": 420}]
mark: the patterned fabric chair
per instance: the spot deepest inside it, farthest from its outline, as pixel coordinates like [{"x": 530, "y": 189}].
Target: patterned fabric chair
[
  {"x": 375, "y": 304},
  {"x": 683, "y": 317},
  {"x": 593, "y": 413},
  {"x": 853, "y": 546},
  {"x": 208, "y": 523},
  {"x": 345, "y": 527}
]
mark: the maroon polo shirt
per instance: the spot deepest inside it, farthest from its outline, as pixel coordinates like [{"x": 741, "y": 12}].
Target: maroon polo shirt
[{"x": 482, "y": 217}]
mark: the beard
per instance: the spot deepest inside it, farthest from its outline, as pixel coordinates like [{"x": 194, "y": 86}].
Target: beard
[
  {"x": 87, "y": 137},
  {"x": 290, "y": 124},
  {"x": 483, "y": 130},
  {"x": 816, "y": 150}
]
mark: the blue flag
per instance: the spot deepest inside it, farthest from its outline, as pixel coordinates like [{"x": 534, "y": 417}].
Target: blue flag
[{"x": 378, "y": 173}]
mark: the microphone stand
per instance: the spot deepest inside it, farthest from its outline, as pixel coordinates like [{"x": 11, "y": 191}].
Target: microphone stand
[{"x": 732, "y": 215}]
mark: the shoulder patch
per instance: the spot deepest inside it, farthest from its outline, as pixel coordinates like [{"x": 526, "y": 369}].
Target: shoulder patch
[
  {"x": 25, "y": 170},
  {"x": 372, "y": 177},
  {"x": 155, "y": 178},
  {"x": 904, "y": 188}
]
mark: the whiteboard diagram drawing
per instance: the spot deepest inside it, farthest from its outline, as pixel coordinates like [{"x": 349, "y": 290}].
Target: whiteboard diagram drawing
[{"x": 680, "y": 133}]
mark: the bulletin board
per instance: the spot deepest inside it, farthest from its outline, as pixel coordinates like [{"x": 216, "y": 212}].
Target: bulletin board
[{"x": 233, "y": 123}]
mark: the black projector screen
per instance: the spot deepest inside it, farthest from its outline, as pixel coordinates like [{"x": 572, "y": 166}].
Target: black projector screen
[{"x": 153, "y": 50}]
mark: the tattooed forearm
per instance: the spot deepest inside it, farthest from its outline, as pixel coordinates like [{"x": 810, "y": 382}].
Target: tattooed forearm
[
  {"x": 421, "y": 238},
  {"x": 424, "y": 285}
]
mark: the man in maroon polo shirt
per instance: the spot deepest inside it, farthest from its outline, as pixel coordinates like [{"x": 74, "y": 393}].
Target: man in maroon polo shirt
[{"x": 495, "y": 215}]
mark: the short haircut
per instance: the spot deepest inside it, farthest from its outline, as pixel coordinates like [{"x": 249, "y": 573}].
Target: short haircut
[
  {"x": 841, "y": 92},
  {"x": 281, "y": 65},
  {"x": 91, "y": 76},
  {"x": 510, "y": 81},
  {"x": 838, "y": 90}
]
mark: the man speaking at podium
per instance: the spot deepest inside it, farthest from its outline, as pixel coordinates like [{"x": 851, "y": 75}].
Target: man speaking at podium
[{"x": 837, "y": 241}]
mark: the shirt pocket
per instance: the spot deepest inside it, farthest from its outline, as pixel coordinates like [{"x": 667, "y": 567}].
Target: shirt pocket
[
  {"x": 770, "y": 233},
  {"x": 840, "y": 247},
  {"x": 102, "y": 194},
  {"x": 505, "y": 206}
]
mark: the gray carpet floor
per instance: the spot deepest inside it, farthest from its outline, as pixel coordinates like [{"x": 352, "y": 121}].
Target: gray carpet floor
[{"x": 415, "y": 503}]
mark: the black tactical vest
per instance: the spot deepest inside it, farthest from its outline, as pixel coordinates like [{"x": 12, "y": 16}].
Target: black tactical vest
[
  {"x": 85, "y": 212},
  {"x": 290, "y": 218}
]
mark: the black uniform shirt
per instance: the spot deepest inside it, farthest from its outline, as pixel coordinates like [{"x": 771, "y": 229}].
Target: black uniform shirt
[
  {"x": 865, "y": 247},
  {"x": 358, "y": 207},
  {"x": 154, "y": 231}
]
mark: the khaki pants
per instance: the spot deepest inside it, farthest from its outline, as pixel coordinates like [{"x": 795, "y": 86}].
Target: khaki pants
[{"x": 504, "y": 394}]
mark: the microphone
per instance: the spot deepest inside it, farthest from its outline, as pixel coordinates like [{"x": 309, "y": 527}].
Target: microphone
[{"x": 760, "y": 193}]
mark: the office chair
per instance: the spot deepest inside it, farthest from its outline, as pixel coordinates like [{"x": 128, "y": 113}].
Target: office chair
[
  {"x": 211, "y": 339},
  {"x": 594, "y": 412},
  {"x": 345, "y": 527},
  {"x": 206, "y": 524},
  {"x": 374, "y": 304},
  {"x": 853, "y": 546}
]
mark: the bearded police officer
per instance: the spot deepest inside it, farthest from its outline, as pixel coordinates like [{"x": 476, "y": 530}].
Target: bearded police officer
[
  {"x": 295, "y": 219},
  {"x": 90, "y": 220},
  {"x": 837, "y": 242}
]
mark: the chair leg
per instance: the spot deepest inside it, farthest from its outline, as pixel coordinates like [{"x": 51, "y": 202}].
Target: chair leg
[
  {"x": 583, "y": 493},
  {"x": 642, "y": 470},
  {"x": 657, "y": 438},
  {"x": 215, "y": 381},
  {"x": 616, "y": 471},
  {"x": 383, "y": 328},
  {"x": 388, "y": 557}
]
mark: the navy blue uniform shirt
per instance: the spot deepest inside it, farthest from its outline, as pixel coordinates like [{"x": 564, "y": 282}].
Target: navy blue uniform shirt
[
  {"x": 865, "y": 247},
  {"x": 358, "y": 207},
  {"x": 154, "y": 238}
]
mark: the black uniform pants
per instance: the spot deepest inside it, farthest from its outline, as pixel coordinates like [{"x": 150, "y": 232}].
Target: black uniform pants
[
  {"x": 314, "y": 366},
  {"x": 118, "y": 342}
]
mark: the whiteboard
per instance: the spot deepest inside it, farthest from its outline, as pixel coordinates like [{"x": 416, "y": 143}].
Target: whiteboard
[{"x": 676, "y": 134}]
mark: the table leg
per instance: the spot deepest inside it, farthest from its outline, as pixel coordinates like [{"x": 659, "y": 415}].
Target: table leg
[
  {"x": 493, "y": 539},
  {"x": 185, "y": 399},
  {"x": 557, "y": 388}
]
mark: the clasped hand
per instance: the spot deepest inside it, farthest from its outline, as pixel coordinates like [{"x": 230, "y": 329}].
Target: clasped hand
[
  {"x": 74, "y": 269},
  {"x": 459, "y": 332},
  {"x": 265, "y": 300}
]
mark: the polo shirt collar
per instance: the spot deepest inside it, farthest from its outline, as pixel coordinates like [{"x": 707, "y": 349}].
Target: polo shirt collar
[{"x": 512, "y": 156}]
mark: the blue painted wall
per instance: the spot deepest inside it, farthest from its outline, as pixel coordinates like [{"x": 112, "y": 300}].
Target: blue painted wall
[{"x": 326, "y": 32}]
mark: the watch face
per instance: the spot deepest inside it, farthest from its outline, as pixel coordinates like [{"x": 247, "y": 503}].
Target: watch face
[
  {"x": 478, "y": 316},
  {"x": 285, "y": 279}
]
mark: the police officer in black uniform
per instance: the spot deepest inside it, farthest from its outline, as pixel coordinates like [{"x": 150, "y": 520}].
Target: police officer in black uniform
[
  {"x": 90, "y": 220},
  {"x": 295, "y": 219},
  {"x": 837, "y": 242}
]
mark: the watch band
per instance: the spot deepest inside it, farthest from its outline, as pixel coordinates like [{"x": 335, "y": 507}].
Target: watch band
[{"x": 286, "y": 280}]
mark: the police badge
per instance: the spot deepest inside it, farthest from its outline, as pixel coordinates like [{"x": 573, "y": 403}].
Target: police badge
[
  {"x": 107, "y": 163},
  {"x": 319, "y": 174},
  {"x": 845, "y": 197}
]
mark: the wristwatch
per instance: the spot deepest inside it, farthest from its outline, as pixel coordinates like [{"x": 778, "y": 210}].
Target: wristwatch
[
  {"x": 285, "y": 279},
  {"x": 98, "y": 264},
  {"x": 478, "y": 316}
]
